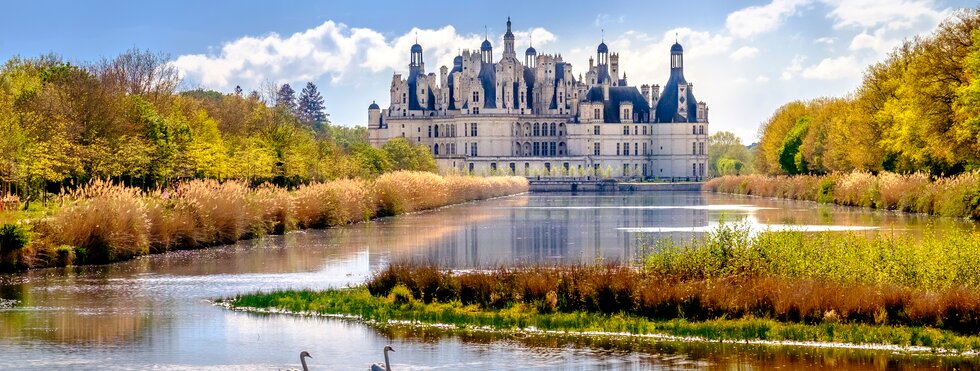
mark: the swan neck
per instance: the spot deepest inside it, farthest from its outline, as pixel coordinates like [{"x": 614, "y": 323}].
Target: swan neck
[
  {"x": 302, "y": 360},
  {"x": 387, "y": 365}
]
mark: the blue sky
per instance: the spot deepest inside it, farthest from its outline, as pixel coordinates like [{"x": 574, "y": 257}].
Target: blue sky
[{"x": 745, "y": 58}]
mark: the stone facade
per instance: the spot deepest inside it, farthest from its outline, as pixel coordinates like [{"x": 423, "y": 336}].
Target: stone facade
[{"x": 535, "y": 118}]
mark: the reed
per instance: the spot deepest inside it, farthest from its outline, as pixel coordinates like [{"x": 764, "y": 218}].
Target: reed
[
  {"x": 614, "y": 290},
  {"x": 955, "y": 196},
  {"x": 102, "y": 222}
]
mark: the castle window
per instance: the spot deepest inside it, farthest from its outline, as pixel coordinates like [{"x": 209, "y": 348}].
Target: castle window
[
  {"x": 636, "y": 149},
  {"x": 626, "y": 149},
  {"x": 596, "y": 130},
  {"x": 473, "y": 130},
  {"x": 644, "y": 130},
  {"x": 626, "y": 169},
  {"x": 645, "y": 150},
  {"x": 553, "y": 129},
  {"x": 554, "y": 145},
  {"x": 694, "y": 129},
  {"x": 595, "y": 150},
  {"x": 636, "y": 130},
  {"x": 626, "y": 130},
  {"x": 537, "y": 149},
  {"x": 430, "y": 131},
  {"x": 694, "y": 148},
  {"x": 537, "y": 129},
  {"x": 617, "y": 149},
  {"x": 435, "y": 149},
  {"x": 473, "y": 149},
  {"x": 476, "y": 97},
  {"x": 513, "y": 168},
  {"x": 476, "y": 110},
  {"x": 596, "y": 114}
]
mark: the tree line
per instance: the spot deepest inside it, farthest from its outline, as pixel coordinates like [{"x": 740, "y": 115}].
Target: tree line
[
  {"x": 124, "y": 119},
  {"x": 916, "y": 111}
]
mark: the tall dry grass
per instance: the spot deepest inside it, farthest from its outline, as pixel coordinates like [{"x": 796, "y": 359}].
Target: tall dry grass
[
  {"x": 616, "y": 289},
  {"x": 955, "y": 196},
  {"x": 102, "y": 222}
]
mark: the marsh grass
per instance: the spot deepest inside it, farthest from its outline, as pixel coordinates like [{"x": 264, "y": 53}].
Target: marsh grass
[
  {"x": 956, "y": 196},
  {"x": 102, "y": 222},
  {"x": 360, "y": 302}
]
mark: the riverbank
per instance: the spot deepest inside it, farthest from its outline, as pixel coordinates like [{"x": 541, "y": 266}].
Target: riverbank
[
  {"x": 730, "y": 284},
  {"x": 517, "y": 319},
  {"x": 104, "y": 223},
  {"x": 956, "y": 196}
]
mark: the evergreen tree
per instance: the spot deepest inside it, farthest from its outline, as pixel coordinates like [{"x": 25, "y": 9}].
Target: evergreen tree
[
  {"x": 286, "y": 97},
  {"x": 311, "y": 109}
]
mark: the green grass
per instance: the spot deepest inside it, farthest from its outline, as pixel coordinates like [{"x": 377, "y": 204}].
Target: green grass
[
  {"x": 359, "y": 302},
  {"x": 934, "y": 260}
]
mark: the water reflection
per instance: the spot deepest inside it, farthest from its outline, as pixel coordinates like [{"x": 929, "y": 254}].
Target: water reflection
[{"x": 153, "y": 312}]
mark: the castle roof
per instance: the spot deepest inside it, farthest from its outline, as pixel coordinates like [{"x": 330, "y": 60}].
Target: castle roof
[{"x": 617, "y": 95}]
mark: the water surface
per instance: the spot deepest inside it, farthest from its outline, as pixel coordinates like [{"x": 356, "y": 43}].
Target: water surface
[{"x": 153, "y": 312}]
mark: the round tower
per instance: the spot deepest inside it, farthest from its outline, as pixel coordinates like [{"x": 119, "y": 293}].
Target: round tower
[
  {"x": 486, "y": 51},
  {"x": 374, "y": 116}
]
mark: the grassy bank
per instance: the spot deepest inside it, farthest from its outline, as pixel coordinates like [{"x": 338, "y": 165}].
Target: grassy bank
[
  {"x": 521, "y": 316},
  {"x": 727, "y": 284},
  {"x": 102, "y": 223},
  {"x": 956, "y": 196}
]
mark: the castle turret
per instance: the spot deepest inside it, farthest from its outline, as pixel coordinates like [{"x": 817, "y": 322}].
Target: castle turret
[
  {"x": 374, "y": 116},
  {"x": 677, "y": 104},
  {"x": 486, "y": 51},
  {"x": 530, "y": 55},
  {"x": 509, "y": 43}
]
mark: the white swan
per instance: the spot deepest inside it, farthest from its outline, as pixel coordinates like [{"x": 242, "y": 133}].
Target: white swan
[{"x": 387, "y": 366}]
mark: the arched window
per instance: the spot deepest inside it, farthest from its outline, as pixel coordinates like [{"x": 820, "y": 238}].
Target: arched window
[
  {"x": 561, "y": 148},
  {"x": 517, "y": 148},
  {"x": 527, "y": 148},
  {"x": 537, "y": 129},
  {"x": 527, "y": 129},
  {"x": 437, "y": 131},
  {"x": 553, "y": 129},
  {"x": 435, "y": 149},
  {"x": 561, "y": 129},
  {"x": 517, "y": 129}
]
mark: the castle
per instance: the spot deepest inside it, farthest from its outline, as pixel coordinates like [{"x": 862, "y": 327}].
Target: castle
[{"x": 536, "y": 119}]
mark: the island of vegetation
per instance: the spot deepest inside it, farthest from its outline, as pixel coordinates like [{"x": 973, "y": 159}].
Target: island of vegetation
[
  {"x": 106, "y": 161},
  {"x": 906, "y": 292},
  {"x": 907, "y": 139}
]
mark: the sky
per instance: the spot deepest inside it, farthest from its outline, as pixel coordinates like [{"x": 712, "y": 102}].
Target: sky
[{"x": 745, "y": 58}]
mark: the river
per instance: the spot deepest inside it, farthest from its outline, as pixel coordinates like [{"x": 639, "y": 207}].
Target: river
[{"x": 154, "y": 312}]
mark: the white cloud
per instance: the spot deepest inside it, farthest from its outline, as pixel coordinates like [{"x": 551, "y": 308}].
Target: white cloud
[
  {"x": 833, "y": 69},
  {"x": 603, "y": 19},
  {"x": 762, "y": 78},
  {"x": 745, "y": 52},
  {"x": 892, "y": 14},
  {"x": 332, "y": 50},
  {"x": 647, "y": 57},
  {"x": 756, "y": 20},
  {"x": 794, "y": 68},
  {"x": 825, "y": 40}
]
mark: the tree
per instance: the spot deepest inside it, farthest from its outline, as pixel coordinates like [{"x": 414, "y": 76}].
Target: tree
[
  {"x": 727, "y": 155},
  {"x": 238, "y": 90},
  {"x": 310, "y": 109},
  {"x": 405, "y": 156},
  {"x": 286, "y": 98}
]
